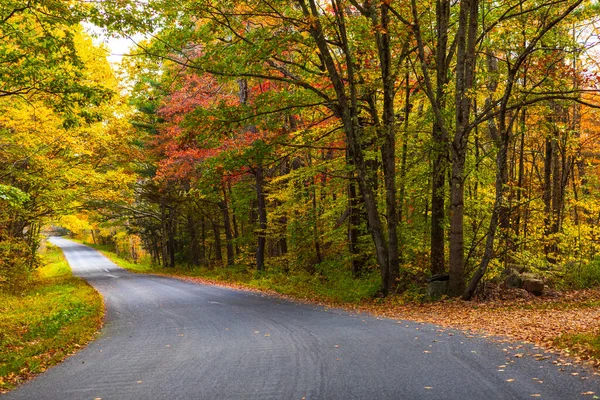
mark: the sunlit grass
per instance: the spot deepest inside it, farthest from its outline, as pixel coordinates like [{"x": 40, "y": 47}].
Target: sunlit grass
[{"x": 56, "y": 315}]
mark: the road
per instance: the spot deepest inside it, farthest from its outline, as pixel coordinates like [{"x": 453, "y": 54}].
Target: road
[{"x": 166, "y": 338}]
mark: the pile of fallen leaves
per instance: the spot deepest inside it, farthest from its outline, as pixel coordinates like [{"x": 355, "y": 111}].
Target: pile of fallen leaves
[{"x": 504, "y": 313}]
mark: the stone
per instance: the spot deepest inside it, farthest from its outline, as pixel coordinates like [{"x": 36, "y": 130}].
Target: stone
[
  {"x": 518, "y": 268},
  {"x": 437, "y": 289},
  {"x": 514, "y": 281},
  {"x": 535, "y": 286}
]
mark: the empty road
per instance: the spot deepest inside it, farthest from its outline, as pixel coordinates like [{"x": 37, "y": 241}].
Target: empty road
[{"x": 169, "y": 339}]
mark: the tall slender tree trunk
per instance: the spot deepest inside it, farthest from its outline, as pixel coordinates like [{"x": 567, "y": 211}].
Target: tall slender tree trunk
[
  {"x": 354, "y": 221},
  {"x": 217, "y": 236},
  {"x": 547, "y": 198},
  {"x": 440, "y": 144},
  {"x": 224, "y": 206},
  {"x": 466, "y": 55},
  {"x": 236, "y": 233},
  {"x": 403, "y": 158},
  {"x": 262, "y": 219}
]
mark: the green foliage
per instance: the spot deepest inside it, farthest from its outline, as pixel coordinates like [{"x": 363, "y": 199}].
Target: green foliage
[
  {"x": 56, "y": 314},
  {"x": 16, "y": 264},
  {"x": 15, "y": 197},
  {"x": 581, "y": 275},
  {"x": 39, "y": 58},
  {"x": 586, "y": 344}
]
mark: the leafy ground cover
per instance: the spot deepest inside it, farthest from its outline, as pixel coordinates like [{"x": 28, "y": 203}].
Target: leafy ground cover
[
  {"x": 565, "y": 322},
  {"x": 57, "y": 314}
]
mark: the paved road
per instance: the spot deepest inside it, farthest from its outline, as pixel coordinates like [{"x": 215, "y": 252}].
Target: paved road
[{"x": 169, "y": 339}]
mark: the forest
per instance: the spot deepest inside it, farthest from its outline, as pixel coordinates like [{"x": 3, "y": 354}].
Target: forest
[{"x": 365, "y": 144}]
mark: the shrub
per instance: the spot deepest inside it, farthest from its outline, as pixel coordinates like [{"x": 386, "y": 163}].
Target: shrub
[
  {"x": 583, "y": 275},
  {"x": 16, "y": 262}
]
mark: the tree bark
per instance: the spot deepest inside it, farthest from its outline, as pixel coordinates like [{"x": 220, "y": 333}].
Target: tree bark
[
  {"x": 440, "y": 143},
  {"x": 217, "y": 236},
  {"x": 262, "y": 219}
]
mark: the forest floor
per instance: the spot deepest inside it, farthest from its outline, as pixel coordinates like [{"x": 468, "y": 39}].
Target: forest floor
[
  {"x": 56, "y": 315},
  {"x": 567, "y": 323}
]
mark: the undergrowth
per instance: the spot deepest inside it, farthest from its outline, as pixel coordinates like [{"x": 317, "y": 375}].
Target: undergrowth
[
  {"x": 39, "y": 326},
  {"x": 329, "y": 282}
]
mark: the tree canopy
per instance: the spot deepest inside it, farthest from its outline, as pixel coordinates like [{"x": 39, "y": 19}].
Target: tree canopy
[{"x": 453, "y": 140}]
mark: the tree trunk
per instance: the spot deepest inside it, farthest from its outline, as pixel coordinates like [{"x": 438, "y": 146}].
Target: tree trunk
[
  {"x": 217, "y": 235},
  {"x": 440, "y": 144},
  {"x": 466, "y": 55},
  {"x": 547, "y": 197},
  {"x": 262, "y": 219},
  {"x": 354, "y": 221},
  {"x": 224, "y": 206},
  {"x": 236, "y": 233}
]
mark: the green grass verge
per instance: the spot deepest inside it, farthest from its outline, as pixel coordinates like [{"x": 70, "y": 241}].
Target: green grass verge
[
  {"x": 585, "y": 344},
  {"x": 54, "y": 316},
  {"x": 330, "y": 282}
]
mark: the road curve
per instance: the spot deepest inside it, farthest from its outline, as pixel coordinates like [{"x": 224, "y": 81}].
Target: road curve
[{"x": 169, "y": 339}]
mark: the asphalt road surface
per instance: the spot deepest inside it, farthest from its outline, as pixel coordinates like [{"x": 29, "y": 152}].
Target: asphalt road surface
[{"x": 169, "y": 339}]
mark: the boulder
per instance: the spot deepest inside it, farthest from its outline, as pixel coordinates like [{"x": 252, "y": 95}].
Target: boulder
[
  {"x": 518, "y": 268},
  {"x": 437, "y": 289},
  {"x": 514, "y": 280},
  {"x": 535, "y": 286}
]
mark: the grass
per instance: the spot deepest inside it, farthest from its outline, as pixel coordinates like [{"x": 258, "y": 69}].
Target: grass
[
  {"x": 585, "y": 344},
  {"x": 331, "y": 283},
  {"x": 54, "y": 316}
]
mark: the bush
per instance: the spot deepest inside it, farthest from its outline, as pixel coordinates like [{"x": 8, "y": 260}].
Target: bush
[
  {"x": 582, "y": 276},
  {"x": 16, "y": 262}
]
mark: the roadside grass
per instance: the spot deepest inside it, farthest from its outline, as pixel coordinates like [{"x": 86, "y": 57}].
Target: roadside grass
[
  {"x": 586, "y": 345},
  {"x": 328, "y": 284},
  {"x": 57, "y": 314}
]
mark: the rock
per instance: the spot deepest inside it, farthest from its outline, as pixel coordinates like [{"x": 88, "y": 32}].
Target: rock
[
  {"x": 437, "y": 289},
  {"x": 535, "y": 286},
  {"x": 529, "y": 276},
  {"x": 518, "y": 268},
  {"x": 514, "y": 280}
]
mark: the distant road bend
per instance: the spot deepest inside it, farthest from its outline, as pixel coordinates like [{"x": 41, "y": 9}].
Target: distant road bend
[{"x": 169, "y": 339}]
